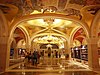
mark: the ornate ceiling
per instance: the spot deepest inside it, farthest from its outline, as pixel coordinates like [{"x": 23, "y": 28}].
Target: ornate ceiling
[
  {"x": 68, "y": 7},
  {"x": 79, "y": 9}
]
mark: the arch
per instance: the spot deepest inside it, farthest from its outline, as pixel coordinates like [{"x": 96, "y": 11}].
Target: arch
[
  {"x": 20, "y": 44},
  {"x": 81, "y": 37},
  {"x": 61, "y": 33},
  {"x": 10, "y": 40},
  {"x": 95, "y": 25},
  {"x": 76, "y": 42},
  {"x": 24, "y": 31},
  {"x": 8, "y": 51},
  {"x": 12, "y": 49},
  {"x": 73, "y": 33},
  {"x": 26, "y": 34},
  {"x": 15, "y": 23},
  {"x": 13, "y": 42},
  {"x": 46, "y": 15},
  {"x": 84, "y": 42},
  {"x": 47, "y": 34}
]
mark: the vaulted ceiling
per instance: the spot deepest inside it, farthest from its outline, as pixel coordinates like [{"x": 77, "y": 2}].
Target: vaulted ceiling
[{"x": 79, "y": 9}]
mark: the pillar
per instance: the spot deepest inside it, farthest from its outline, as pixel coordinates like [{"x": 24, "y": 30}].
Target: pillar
[
  {"x": 93, "y": 54},
  {"x": 67, "y": 50},
  {"x": 15, "y": 53},
  {"x": 3, "y": 53},
  {"x": 65, "y": 47}
]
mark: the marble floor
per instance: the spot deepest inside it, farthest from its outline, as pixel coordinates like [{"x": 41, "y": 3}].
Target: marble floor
[
  {"x": 52, "y": 73},
  {"x": 49, "y": 66}
]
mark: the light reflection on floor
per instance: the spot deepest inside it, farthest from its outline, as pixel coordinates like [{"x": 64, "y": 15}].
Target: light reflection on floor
[
  {"x": 50, "y": 67},
  {"x": 51, "y": 64},
  {"x": 51, "y": 73}
]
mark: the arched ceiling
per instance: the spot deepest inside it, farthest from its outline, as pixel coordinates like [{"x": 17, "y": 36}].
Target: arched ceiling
[
  {"x": 79, "y": 9},
  {"x": 18, "y": 35},
  {"x": 59, "y": 26},
  {"x": 67, "y": 7}
]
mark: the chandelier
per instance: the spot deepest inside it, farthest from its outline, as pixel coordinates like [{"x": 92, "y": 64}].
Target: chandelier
[{"x": 49, "y": 21}]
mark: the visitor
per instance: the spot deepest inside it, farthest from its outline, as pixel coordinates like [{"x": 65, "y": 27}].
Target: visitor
[{"x": 34, "y": 58}]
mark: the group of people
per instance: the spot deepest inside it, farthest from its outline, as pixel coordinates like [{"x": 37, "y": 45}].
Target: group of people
[
  {"x": 34, "y": 57},
  {"x": 54, "y": 54}
]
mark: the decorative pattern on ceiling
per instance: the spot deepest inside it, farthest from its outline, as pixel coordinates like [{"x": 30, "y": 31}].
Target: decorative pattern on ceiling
[
  {"x": 33, "y": 29},
  {"x": 80, "y": 2},
  {"x": 62, "y": 6},
  {"x": 80, "y": 35},
  {"x": 18, "y": 34},
  {"x": 54, "y": 26},
  {"x": 67, "y": 7},
  {"x": 74, "y": 12},
  {"x": 93, "y": 9},
  {"x": 85, "y": 2}
]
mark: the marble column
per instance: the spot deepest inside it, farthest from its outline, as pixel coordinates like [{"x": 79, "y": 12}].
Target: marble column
[
  {"x": 93, "y": 58},
  {"x": 3, "y": 54}
]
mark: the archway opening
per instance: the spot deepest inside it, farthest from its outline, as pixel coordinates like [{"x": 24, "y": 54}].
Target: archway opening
[
  {"x": 55, "y": 30},
  {"x": 79, "y": 49},
  {"x": 17, "y": 47}
]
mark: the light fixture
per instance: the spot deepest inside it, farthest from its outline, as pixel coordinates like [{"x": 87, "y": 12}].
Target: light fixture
[{"x": 49, "y": 45}]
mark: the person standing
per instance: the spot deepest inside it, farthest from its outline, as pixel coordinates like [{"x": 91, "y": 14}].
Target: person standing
[{"x": 34, "y": 58}]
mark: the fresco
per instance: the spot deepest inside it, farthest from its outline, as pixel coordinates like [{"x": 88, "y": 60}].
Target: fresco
[
  {"x": 61, "y": 6},
  {"x": 85, "y": 2}
]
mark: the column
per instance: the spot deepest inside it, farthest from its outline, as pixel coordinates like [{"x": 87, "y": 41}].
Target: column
[
  {"x": 69, "y": 50},
  {"x": 66, "y": 49},
  {"x": 3, "y": 54},
  {"x": 93, "y": 54},
  {"x": 15, "y": 53}
]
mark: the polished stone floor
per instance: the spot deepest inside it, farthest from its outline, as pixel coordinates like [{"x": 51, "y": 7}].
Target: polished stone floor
[
  {"x": 49, "y": 66},
  {"x": 52, "y": 73}
]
